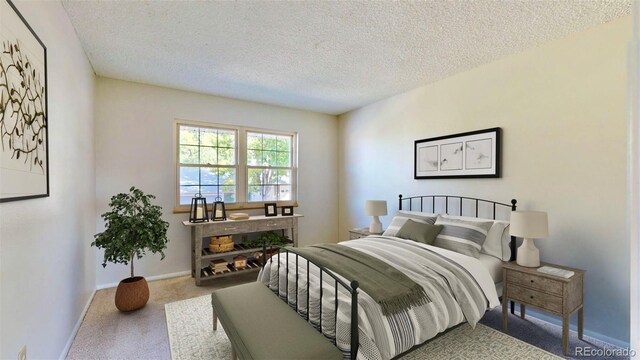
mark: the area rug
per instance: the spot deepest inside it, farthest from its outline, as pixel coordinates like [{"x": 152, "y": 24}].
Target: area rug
[{"x": 191, "y": 337}]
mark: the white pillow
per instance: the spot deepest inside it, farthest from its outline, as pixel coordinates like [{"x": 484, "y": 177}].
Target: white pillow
[
  {"x": 402, "y": 216},
  {"x": 498, "y": 238}
]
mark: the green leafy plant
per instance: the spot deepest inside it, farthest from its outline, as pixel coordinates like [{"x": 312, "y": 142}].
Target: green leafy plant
[
  {"x": 133, "y": 226},
  {"x": 270, "y": 238}
]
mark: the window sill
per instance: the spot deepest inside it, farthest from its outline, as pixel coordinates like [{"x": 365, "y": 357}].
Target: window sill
[{"x": 233, "y": 207}]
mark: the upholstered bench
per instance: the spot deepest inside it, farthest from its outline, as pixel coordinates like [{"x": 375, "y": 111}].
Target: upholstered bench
[{"x": 261, "y": 326}]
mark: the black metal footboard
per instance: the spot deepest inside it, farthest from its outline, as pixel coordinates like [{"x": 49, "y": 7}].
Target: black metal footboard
[{"x": 352, "y": 288}]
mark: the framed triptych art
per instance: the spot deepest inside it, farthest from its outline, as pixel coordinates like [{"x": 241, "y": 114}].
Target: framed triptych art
[
  {"x": 474, "y": 154},
  {"x": 24, "y": 130}
]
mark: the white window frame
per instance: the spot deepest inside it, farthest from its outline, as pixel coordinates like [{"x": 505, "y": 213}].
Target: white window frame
[{"x": 242, "y": 167}]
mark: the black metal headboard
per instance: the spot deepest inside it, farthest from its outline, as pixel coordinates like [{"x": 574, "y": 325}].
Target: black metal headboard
[{"x": 460, "y": 199}]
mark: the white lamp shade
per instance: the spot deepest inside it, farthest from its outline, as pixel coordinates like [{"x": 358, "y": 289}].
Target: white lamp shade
[
  {"x": 375, "y": 207},
  {"x": 529, "y": 224}
]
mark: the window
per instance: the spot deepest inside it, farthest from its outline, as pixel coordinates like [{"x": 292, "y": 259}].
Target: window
[
  {"x": 207, "y": 164},
  {"x": 244, "y": 167},
  {"x": 269, "y": 167}
]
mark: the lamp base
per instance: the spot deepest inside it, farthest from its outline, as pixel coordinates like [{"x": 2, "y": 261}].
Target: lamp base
[
  {"x": 528, "y": 254},
  {"x": 376, "y": 226}
]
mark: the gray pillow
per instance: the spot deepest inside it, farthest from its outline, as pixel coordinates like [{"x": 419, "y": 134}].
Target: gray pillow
[
  {"x": 463, "y": 236},
  {"x": 420, "y": 232},
  {"x": 402, "y": 216}
]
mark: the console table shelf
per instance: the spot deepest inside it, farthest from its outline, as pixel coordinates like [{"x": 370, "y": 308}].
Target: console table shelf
[
  {"x": 201, "y": 256},
  {"x": 238, "y": 249},
  {"x": 252, "y": 266}
]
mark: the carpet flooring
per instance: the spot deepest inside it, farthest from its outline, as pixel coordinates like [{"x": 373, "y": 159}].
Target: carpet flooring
[
  {"x": 191, "y": 337},
  {"x": 106, "y": 333}
]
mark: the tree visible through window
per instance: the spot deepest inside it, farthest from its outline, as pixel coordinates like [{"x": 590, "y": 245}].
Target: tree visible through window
[
  {"x": 269, "y": 167},
  {"x": 241, "y": 166},
  {"x": 208, "y": 164}
]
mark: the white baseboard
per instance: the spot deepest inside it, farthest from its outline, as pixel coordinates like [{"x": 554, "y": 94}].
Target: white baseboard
[
  {"x": 72, "y": 337},
  {"x": 558, "y": 322},
  {"x": 150, "y": 278}
]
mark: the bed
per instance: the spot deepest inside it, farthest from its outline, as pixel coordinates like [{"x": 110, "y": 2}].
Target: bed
[{"x": 461, "y": 287}]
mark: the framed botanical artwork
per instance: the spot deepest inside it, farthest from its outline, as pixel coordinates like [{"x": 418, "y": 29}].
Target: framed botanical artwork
[
  {"x": 474, "y": 154},
  {"x": 287, "y": 211},
  {"x": 24, "y": 122},
  {"x": 270, "y": 209}
]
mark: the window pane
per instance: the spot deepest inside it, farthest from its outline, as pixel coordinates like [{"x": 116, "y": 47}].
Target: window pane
[
  {"x": 208, "y": 176},
  {"x": 188, "y": 135},
  {"x": 208, "y": 137},
  {"x": 254, "y": 141},
  {"x": 208, "y": 155},
  {"x": 228, "y": 194},
  {"x": 255, "y": 193},
  {"x": 270, "y": 193},
  {"x": 269, "y": 158},
  {"x": 227, "y": 138},
  {"x": 210, "y": 193},
  {"x": 284, "y": 143},
  {"x": 283, "y": 159},
  {"x": 254, "y": 157},
  {"x": 188, "y": 154},
  {"x": 227, "y": 176},
  {"x": 283, "y": 177},
  {"x": 284, "y": 192},
  {"x": 255, "y": 177},
  {"x": 226, "y": 156},
  {"x": 269, "y": 142},
  {"x": 187, "y": 193},
  {"x": 188, "y": 176},
  {"x": 263, "y": 193}
]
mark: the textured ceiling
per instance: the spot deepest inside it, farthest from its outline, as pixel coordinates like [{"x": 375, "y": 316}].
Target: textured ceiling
[{"x": 324, "y": 56}]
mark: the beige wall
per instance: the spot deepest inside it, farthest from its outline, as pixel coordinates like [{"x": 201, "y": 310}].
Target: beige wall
[
  {"x": 135, "y": 131},
  {"x": 47, "y": 269},
  {"x": 562, "y": 108}
]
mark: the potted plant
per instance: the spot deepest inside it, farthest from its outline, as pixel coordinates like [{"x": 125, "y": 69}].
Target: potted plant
[{"x": 132, "y": 227}]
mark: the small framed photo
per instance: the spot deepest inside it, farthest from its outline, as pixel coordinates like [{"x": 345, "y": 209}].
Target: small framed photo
[
  {"x": 287, "y": 211},
  {"x": 270, "y": 209}
]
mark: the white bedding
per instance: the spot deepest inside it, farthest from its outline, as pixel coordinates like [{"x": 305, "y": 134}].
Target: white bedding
[
  {"x": 458, "y": 294},
  {"x": 493, "y": 265}
]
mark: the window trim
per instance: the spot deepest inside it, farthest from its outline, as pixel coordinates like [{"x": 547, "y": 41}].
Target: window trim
[{"x": 242, "y": 167}]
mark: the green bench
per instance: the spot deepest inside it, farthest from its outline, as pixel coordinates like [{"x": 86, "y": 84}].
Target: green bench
[{"x": 261, "y": 326}]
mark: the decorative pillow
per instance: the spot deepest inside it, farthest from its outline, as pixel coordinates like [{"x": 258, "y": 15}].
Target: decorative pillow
[
  {"x": 463, "y": 236},
  {"x": 420, "y": 232},
  {"x": 497, "y": 243},
  {"x": 498, "y": 238},
  {"x": 402, "y": 216}
]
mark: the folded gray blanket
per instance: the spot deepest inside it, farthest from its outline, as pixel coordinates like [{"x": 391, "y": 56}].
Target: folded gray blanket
[{"x": 391, "y": 289}]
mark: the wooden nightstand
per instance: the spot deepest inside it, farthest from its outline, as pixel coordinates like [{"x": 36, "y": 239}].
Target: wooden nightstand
[
  {"x": 360, "y": 233},
  {"x": 550, "y": 293}
]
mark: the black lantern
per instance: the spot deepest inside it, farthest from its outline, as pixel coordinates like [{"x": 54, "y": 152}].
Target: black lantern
[
  {"x": 219, "y": 213},
  {"x": 198, "y": 211}
]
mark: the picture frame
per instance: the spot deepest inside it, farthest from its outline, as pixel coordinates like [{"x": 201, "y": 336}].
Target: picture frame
[
  {"x": 270, "y": 209},
  {"x": 24, "y": 154},
  {"x": 287, "y": 211},
  {"x": 474, "y": 154}
]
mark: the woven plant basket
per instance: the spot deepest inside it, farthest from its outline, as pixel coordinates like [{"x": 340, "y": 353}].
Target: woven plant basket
[
  {"x": 132, "y": 293},
  {"x": 221, "y": 244}
]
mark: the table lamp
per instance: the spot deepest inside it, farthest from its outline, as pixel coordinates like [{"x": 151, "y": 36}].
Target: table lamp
[
  {"x": 529, "y": 225},
  {"x": 375, "y": 208}
]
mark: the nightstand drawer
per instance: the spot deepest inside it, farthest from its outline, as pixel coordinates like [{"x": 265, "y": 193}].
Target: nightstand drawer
[
  {"x": 534, "y": 298},
  {"x": 535, "y": 282}
]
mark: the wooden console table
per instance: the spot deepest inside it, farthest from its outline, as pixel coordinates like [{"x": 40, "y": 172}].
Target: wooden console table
[{"x": 201, "y": 257}]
